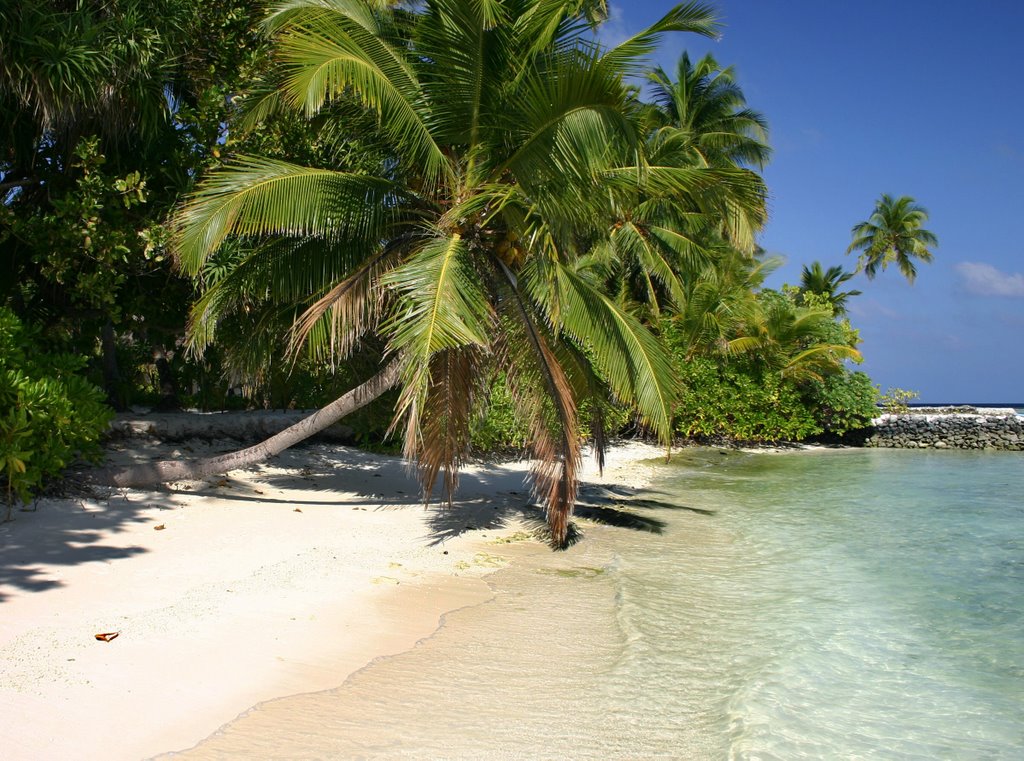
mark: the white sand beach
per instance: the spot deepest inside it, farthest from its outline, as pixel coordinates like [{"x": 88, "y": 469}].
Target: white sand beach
[{"x": 274, "y": 581}]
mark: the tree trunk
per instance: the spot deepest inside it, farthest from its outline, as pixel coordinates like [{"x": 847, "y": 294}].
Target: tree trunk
[
  {"x": 174, "y": 470},
  {"x": 168, "y": 386},
  {"x": 111, "y": 372}
]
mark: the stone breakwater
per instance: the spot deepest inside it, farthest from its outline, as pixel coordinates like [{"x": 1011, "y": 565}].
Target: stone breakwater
[{"x": 949, "y": 428}]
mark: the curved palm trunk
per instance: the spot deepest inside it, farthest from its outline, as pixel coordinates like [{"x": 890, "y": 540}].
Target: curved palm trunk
[{"x": 173, "y": 470}]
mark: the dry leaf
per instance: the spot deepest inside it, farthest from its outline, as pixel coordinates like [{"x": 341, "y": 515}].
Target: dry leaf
[
  {"x": 296, "y": 510},
  {"x": 161, "y": 527},
  {"x": 107, "y": 636}
]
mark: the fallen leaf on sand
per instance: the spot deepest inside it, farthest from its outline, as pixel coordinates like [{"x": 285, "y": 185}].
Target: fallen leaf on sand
[
  {"x": 107, "y": 636},
  {"x": 296, "y": 510},
  {"x": 161, "y": 527}
]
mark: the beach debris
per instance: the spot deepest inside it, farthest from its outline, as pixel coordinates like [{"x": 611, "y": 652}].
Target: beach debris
[
  {"x": 161, "y": 527},
  {"x": 107, "y": 636},
  {"x": 488, "y": 561},
  {"x": 297, "y": 510},
  {"x": 519, "y": 536}
]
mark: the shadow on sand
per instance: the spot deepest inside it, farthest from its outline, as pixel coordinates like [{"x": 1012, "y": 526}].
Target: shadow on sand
[{"x": 68, "y": 532}]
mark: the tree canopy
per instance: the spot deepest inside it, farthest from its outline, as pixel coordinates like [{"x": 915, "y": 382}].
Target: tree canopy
[{"x": 893, "y": 234}]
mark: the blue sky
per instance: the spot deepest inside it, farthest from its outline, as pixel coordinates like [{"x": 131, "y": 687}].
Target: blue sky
[{"x": 908, "y": 98}]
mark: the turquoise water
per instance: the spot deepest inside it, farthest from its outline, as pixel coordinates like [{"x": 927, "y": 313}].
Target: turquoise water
[
  {"x": 837, "y": 604},
  {"x": 886, "y": 598}
]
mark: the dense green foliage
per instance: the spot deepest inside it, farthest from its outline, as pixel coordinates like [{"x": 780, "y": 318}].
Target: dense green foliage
[
  {"x": 49, "y": 415},
  {"x": 110, "y": 109},
  {"x": 740, "y": 402},
  {"x": 221, "y": 204}
]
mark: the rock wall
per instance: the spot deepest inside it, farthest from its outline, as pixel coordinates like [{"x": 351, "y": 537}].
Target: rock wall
[{"x": 956, "y": 428}]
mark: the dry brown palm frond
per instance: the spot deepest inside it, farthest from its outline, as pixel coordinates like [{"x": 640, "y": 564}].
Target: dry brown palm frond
[
  {"x": 544, "y": 395},
  {"x": 458, "y": 381},
  {"x": 589, "y": 387},
  {"x": 352, "y": 308}
]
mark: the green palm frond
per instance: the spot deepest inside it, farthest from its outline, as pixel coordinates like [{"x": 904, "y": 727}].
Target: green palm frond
[
  {"x": 698, "y": 18},
  {"x": 254, "y": 197},
  {"x": 441, "y": 306},
  {"x": 327, "y": 55},
  {"x": 566, "y": 123},
  {"x": 627, "y": 355},
  {"x": 367, "y": 14}
]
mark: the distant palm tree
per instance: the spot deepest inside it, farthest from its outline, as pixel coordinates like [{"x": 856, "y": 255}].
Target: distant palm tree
[
  {"x": 815, "y": 279},
  {"x": 893, "y": 233}
]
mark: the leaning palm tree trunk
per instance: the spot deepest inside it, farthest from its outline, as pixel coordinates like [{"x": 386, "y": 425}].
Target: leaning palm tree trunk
[{"x": 173, "y": 470}]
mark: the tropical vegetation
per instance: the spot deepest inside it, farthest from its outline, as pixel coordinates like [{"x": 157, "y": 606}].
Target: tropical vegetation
[{"x": 462, "y": 219}]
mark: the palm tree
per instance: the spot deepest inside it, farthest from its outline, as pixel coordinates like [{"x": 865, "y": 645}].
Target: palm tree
[
  {"x": 512, "y": 135},
  {"x": 893, "y": 233},
  {"x": 717, "y": 304},
  {"x": 661, "y": 245},
  {"x": 826, "y": 283},
  {"x": 795, "y": 342},
  {"x": 706, "y": 103}
]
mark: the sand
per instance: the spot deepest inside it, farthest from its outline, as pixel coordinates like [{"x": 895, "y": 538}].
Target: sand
[{"x": 274, "y": 581}]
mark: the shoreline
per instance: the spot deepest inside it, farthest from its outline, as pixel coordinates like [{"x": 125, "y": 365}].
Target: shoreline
[{"x": 270, "y": 582}]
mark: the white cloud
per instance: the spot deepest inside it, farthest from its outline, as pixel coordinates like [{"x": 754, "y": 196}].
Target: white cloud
[
  {"x": 615, "y": 30},
  {"x": 868, "y": 309},
  {"x": 985, "y": 280}
]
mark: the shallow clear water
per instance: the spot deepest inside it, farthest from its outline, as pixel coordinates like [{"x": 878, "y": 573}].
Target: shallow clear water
[{"x": 840, "y": 604}]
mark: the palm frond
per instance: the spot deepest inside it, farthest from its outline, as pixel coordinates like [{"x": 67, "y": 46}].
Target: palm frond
[
  {"x": 441, "y": 306},
  {"x": 457, "y": 384},
  {"x": 543, "y": 395},
  {"x": 698, "y": 18},
  {"x": 326, "y": 55},
  {"x": 628, "y": 356},
  {"x": 348, "y": 310},
  {"x": 254, "y": 197}
]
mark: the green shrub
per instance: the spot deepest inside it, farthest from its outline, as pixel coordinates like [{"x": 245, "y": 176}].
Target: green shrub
[
  {"x": 895, "y": 401},
  {"x": 500, "y": 429},
  {"x": 49, "y": 414},
  {"x": 844, "y": 402},
  {"x": 739, "y": 403}
]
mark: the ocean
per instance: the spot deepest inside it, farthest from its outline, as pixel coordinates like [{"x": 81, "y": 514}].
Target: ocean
[{"x": 825, "y": 604}]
